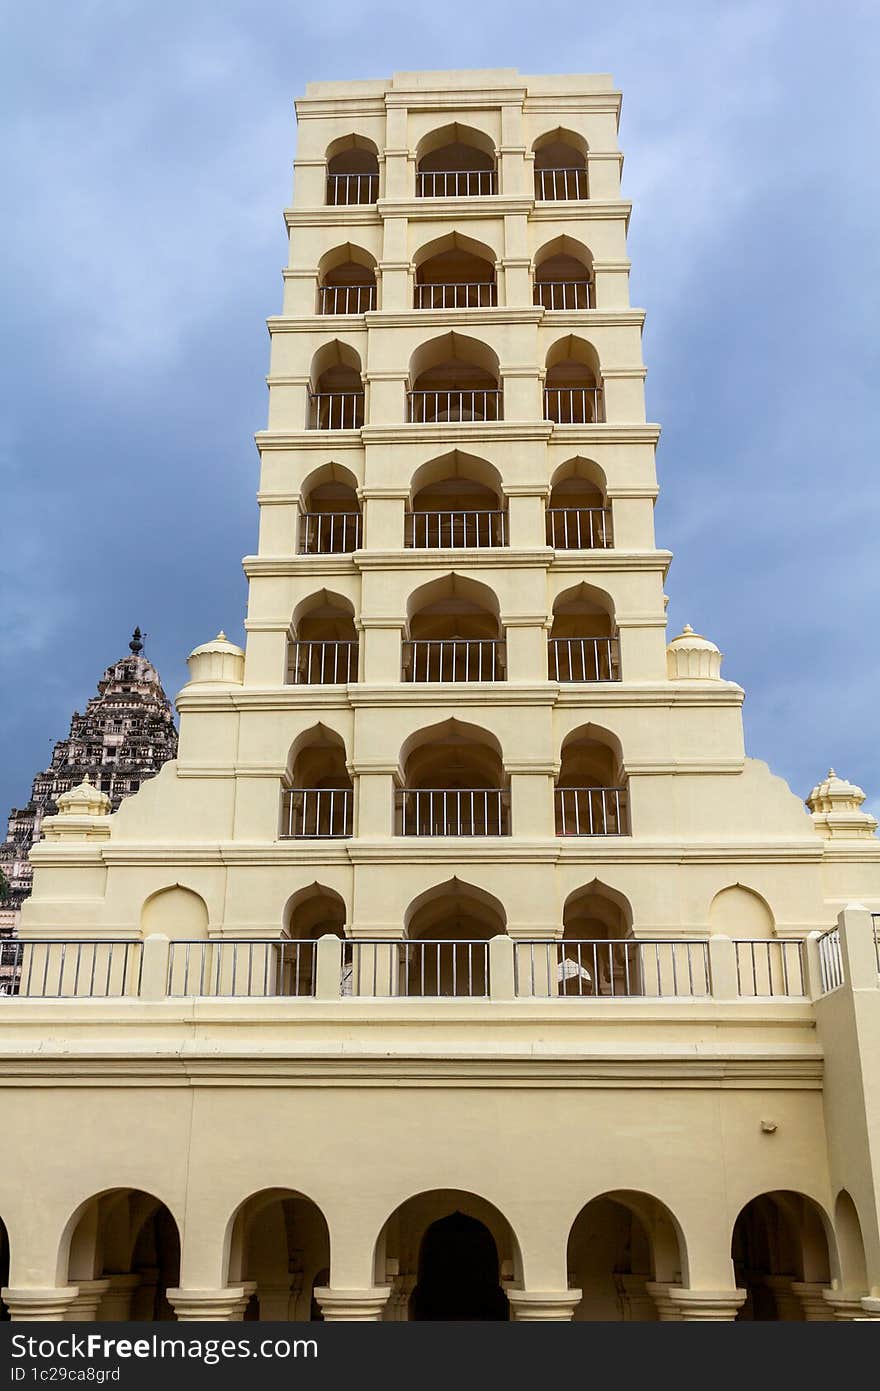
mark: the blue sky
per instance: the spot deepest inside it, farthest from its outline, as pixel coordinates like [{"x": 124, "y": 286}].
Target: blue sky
[{"x": 148, "y": 157}]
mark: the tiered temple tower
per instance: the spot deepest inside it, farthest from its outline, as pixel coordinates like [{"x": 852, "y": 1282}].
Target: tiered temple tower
[
  {"x": 123, "y": 737},
  {"x": 462, "y": 933}
]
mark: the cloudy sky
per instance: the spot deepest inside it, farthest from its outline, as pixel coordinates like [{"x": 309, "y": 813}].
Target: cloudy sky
[{"x": 148, "y": 148}]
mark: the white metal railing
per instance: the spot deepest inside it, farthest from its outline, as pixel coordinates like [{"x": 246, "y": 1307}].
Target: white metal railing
[
  {"x": 457, "y": 294},
  {"x": 579, "y": 528},
  {"x": 101, "y": 968},
  {"x": 329, "y": 533},
  {"x": 830, "y": 960},
  {"x": 560, "y": 183},
  {"x": 573, "y": 405},
  {"x": 317, "y": 812},
  {"x": 455, "y": 811},
  {"x": 252, "y": 967},
  {"x": 423, "y": 969},
  {"x": 346, "y": 299},
  {"x": 453, "y": 659},
  {"x": 583, "y": 659},
  {"x": 875, "y": 919},
  {"x": 563, "y": 294},
  {"x": 352, "y": 188},
  {"x": 591, "y": 811},
  {"x": 456, "y": 183},
  {"x": 336, "y": 410},
  {"x": 455, "y": 530},
  {"x": 315, "y": 663},
  {"x": 765, "y": 969},
  {"x": 427, "y": 407},
  {"x": 606, "y": 969}
]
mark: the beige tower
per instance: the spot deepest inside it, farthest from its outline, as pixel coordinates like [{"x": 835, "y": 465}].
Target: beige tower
[{"x": 462, "y": 966}]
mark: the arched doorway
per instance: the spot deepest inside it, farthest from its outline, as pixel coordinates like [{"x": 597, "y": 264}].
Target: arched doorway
[
  {"x": 459, "y": 1279},
  {"x": 781, "y": 1259},
  {"x": 279, "y": 1247},
  {"x": 622, "y": 1246},
  {"x": 124, "y": 1256}
]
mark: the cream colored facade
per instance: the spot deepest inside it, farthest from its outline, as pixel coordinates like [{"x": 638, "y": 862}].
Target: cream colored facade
[{"x": 462, "y": 963}]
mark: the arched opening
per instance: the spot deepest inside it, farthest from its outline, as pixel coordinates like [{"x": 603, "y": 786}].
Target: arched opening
[
  {"x": 346, "y": 281},
  {"x": 279, "y": 1247},
  {"x": 309, "y": 914},
  {"x": 453, "y": 378},
  {"x": 448, "y": 931},
  {"x": 583, "y": 643},
  {"x": 453, "y": 633},
  {"x": 122, "y": 1249},
  {"x": 322, "y": 646},
  {"x": 454, "y": 783},
  {"x": 318, "y": 798},
  {"x": 560, "y": 165},
  {"x": 578, "y": 513},
  {"x": 619, "y": 1245},
  {"x": 457, "y": 502},
  {"x": 591, "y": 791},
  {"x": 4, "y": 1269},
  {"x": 848, "y": 1229},
  {"x": 336, "y": 394},
  {"x": 573, "y": 386},
  {"x": 352, "y": 171},
  {"x": 564, "y": 275},
  {"x": 456, "y": 161},
  {"x": 597, "y": 955},
  {"x": 455, "y": 273},
  {"x": 330, "y": 522},
  {"x": 781, "y": 1258},
  {"x": 448, "y": 1254}
]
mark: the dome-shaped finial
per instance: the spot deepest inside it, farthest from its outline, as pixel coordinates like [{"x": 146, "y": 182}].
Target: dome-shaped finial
[{"x": 136, "y": 645}]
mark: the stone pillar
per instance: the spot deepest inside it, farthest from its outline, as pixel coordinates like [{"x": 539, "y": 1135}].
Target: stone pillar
[
  {"x": 639, "y": 1302},
  {"x": 215, "y": 1306},
  {"x": 274, "y": 1301},
  {"x": 116, "y": 1304},
  {"x": 811, "y": 1298},
  {"x": 788, "y": 1307},
  {"x": 353, "y": 1306},
  {"x": 502, "y": 984},
  {"x": 662, "y": 1295},
  {"x": 84, "y": 1308},
  {"x": 328, "y": 967},
  {"x": 845, "y": 1304},
  {"x": 533, "y": 1306},
  {"x": 39, "y": 1306},
  {"x": 714, "y": 1305}
]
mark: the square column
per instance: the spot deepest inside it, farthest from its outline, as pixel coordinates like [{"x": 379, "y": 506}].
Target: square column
[
  {"x": 707, "y": 1305},
  {"x": 353, "y": 1306},
  {"x": 218, "y": 1306},
  {"x": 532, "y": 1306}
]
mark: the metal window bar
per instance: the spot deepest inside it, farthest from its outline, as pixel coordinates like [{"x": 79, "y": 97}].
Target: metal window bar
[
  {"x": 244, "y": 968},
  {"x": 329, "y": 533},
  {"x": 584, "y": 659},
  {"x": 316, "y": 663},
  {"x": 99, "y": 968},
  {"x": 573, "y": 405},
  {"x": 457, "y": 294},
  {"x": 554, "y": 184},
  {"x": 346, "y": 299},
  {"x": 591, "y": 811},
  {"x": 336, "y": 410},
  {"x": 830, "y": 960},
  {"x": 453, "y": 812},
  {"x": 317, "y": 812},
  {"x": 875, "y": 918},
  {"x": 579, "y": 528},
  {"x": 564, "y": 294},
  {"x": 603, "y": 969},
  {"x": 352, "y": 188},
  {"x": 456, "y": 183},
  {"x": 426, "y": 407},
  {"x": 455, "y": 530},
  {"x": 454, "y": 659},
  {"x": 423, "y": 969},
  {"x": 766, "y": 969}
]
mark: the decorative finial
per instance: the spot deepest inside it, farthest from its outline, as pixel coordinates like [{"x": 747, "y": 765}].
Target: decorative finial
[
  {"x": 136, "y": 645},
  {"x": 687, "y": 628},
  {"x": 221, "y": 637}
]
